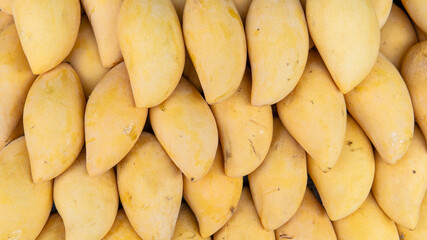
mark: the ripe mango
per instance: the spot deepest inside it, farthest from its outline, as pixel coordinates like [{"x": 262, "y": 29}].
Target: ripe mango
[
  {"x": 54, "y": 229},
  {"x": 186, "y": 225},
  {"x": 382, "y": 10},
  {"x": 5, "y": 20},
  {"x": 420, "y": 231},
  {"x": 121, "y": 229},
  {"x": 417, "y": 9}
]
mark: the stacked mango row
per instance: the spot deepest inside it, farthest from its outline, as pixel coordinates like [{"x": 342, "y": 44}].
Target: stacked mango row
[{"x": 142, "y": 118}]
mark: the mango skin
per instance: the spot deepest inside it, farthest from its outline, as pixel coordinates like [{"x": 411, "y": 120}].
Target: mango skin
[
  {"x": 381, "y": 105},
  {"x": 417, "y": 9},
  {"x": 245, "y": 131},
  {"x": 112, "y": 122},
  {"x": 347, "y": 36},
  {"x": 279, "y": 184},
  {"x": 422, "y": 36},
  {"x": 382, "y": 10},
  {"x": 214, "y": 198},
  {"x": 186, "y": 225},
  {"x": 153, "y": 49},
  {"x": 191, "y": 74},
  {"x": 5, "y": 20},
  {"x": 121, "y": 229},
  {"x": 47, "y": 30},
  {"x": 150, "y": 188},
  {"x": 309, "y": 222},
  {"x": 242, "y": 7},
  {"x": 397, "y": 36},
  {"x": 215, "y": 40},
  {"x": 6, "y": 6},
  {"x": 414, "y": 72},
  {"x": 278, "y": 44},
  {"x": 420, "y": 231},
  {"x": 179, "y": 7},
  {"x": 81, "y": 199},
  {"x": 369, "y": 222},
  {"x": 103, "y": 16},
  {"x": 345, "y": 188},
  {"x": 24, "y": 205},
  {"x": 315, "y": 114},
  {"x": 186, "y": 128},
  {"x": 17, "y": 132},
  {"x": 54, "y": 229},
  {"x": 16, "y": 79}
]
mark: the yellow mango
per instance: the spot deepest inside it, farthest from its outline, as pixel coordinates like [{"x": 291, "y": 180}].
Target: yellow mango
[
  {"x": 150, "y": 188},
  {"x": 88, "y": 205},
  {"x": 153, "y": 49},
  {"x": 24, "y": 205},
  {"x": 417, "y": 10},
  {"x": 179, "y": 7},
  {"x": 112, "y": 122},
  {"x": 84, "y": 58},
  {"x": 245, "y": 223},
  {"x": 422, "y": 36},
  {"x": 54, "y": 229},
  {"x": 121, "y": 229},
  {"x": 420, "y": 232},
  {"x": 397, "y": 36},
  {"x": 399, "y": 189},
  {"x": 242, "y": 7},
  {"x": 369, "y": 222},
  {"x": 213, "y": 198},
  {"x": 191, "y": 74},
  {"x": 47, "y": 29},
  {"x": 278, "y": 48},
  {"x": 215, "y": 40},
  {"x": 314, "y": 113},
  {"x": 345, "y": 188},
  {"x": 103, "y": 16},
  {"x": 279, "y": 184},
  {"x": 347, "y": 35},
  {"x": 381, "y": 105},
  {"x": 6, "y": 6},
  {"x": 15, "y": 81},
  {"x": 414, "y": 72},
  {"x": 5, "y": 20},
  {"x": 310, "y": 222},
  {"x": 186, "y": 128},
  {"x": 18, "y": 132},
  {"x": 186, "y": 225},
  {"x": 245, "y": 131},
  {"x": 382, "y": 10}
]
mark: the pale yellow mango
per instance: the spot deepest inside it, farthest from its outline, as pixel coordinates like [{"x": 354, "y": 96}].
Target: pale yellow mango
[
  {"x": 84, "y": 58},
  {"x": 121, "y": 229},
  {"x": 382, "y": 10},
  {"x": 54, "y": 229},
  {"x": 245, "y": 131},
  {"x": 5, "y": 20},
  {"x": 381, "y": 105},
  {"x": 345, "y": 188},
  {"x": 242, "y": 7},
  {"x": 420, "y": 232},
  {"x": 414, "y": 72},
  {"x": 191, "y": 74},
  {"x": 215, "y": 40},
  {"x": 347, "y": 35},
  {"x": 369, "y": 222},
  {"x": 24, "y": 205},
  {"x": 103, "y": 16},
  {"x": 417, "y": 10},
  {"x": 245, "y": 223},
  {"x": 112, "y": 122},
  {"x": 153, "y": 48},
  {"x": 88, "y": 205},
  {"x": 399, "y": 189},
  {"x": 279, "y": 184},
  {"x": 397, "y": 36},
  {"x": 150, "y": 188},
  {"x": 15, "y": 81},
  {"x": 315, "y": 114},
  {"x": 179, "y": 7},
  {"x": 422, "y": 36},
  {"x": 47, "y": 30},
  {"x": 186, "y": 128},
  {"x": 18, "y": 132},
  {"x": 6, "y": 6},
  {"x": 186, "y": 225},
  {"x": 278, "y": 48},
  {"x": 213, "y": 198}
]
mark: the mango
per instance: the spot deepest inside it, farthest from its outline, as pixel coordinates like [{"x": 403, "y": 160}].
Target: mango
[
  {"x": 6, "y": 6},
  {"x": 242, "y": 7},
  {"x": 191, "y": 74},
  {"x": 186, "y": 225},
  {"x": 179, "y": 7},
  {"x": 121, "y": 229},
  {"x": 17, "y": 132},
  {"x": 417, "y": 9},
  {"x": 422, "y": 36},
  {"x": 54, "y": 229},
  {"x": 5, "y": 20},
  {"x": 420, "y": 231},
  {"x": 382, "y": 10}
]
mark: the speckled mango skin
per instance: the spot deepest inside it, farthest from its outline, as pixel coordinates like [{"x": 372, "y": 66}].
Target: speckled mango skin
[
  {"x": 215, "y": 40},
  {"x": 382, "y": 10},
  {"x": 400, "y": 188},
  {"x": 186, "y": 128},
  {"x": 420, "y": 231},
  {"x": 369, "y": 222},
  {"x": 112, "y": 122},
  {"x": 5, "y": 20},
  {"x": 417, "y": 9},
  {"x": 121, "y": 229},
  {"x": 214, "y": 198},
  {"x": 346, "y": 186},
  {"x": 381, "y": 105},
  {"x": 88, "y": 205},
  {"x": 53, "y": 122},
  {"x": 24, "y": 205},
  {"x": 277, "y": 37},
  {"x": 54, "y": 229},
  {"x": 47, "y": 30},
  {"x": 153, "y": 49},
  {"x": 278, "y": 184},
  {"x": 186, "y": 225},
  {"x": 347, "y": 36},
  {"x": 309, "y": 222},
  {"x": 150, "y": 188},
  {"x": 245, "y": 131},
  {"x": 315, "y": 114},
  {"x": 15, "y": 81},
  {"x": 245, "y": 223}
]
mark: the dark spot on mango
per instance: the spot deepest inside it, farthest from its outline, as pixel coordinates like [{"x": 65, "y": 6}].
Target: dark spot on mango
[
  {"x": 349, "y": 143},
  {"x": 232, "y": 209},
  {"x": 413, "y": 171}
]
